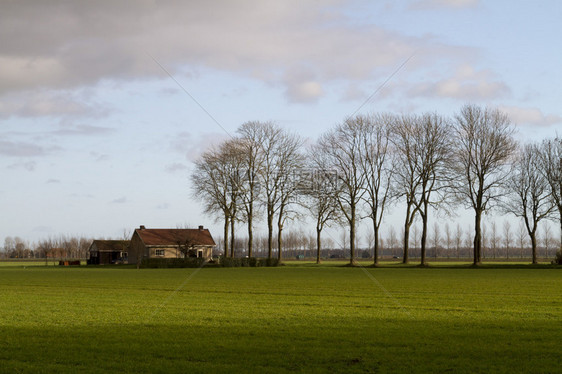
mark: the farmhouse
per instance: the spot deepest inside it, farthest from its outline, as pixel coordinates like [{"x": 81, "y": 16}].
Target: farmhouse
[
  {"x": 170, "y": 243},
  {"x": 103, "y": 252}
]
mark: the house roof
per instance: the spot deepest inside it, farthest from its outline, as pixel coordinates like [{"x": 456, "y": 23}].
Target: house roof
[
  {"x": 110, "y": 245},
  {"x": 175, "y": 236}
]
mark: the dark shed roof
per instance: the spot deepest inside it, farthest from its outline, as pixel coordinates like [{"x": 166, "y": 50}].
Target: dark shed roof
[{"x": 198, "y": 236}]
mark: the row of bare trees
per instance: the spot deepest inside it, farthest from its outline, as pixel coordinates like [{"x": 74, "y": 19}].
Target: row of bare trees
[
  {"x": 500, "y": 240},
  {"x": 62, "y": 247},
  {"x": 363, "y": 165}
]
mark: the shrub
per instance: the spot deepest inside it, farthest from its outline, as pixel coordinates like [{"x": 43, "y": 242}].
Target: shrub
[
  {"x": 188, "y": 262},
  {"x": 232, "y": 262},
  {"x": 558, "y": 258}
]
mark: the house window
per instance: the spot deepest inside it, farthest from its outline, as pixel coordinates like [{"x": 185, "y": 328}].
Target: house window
[
  {"x": 200, "y": 253},
  {"x": 159, "y": 252}
]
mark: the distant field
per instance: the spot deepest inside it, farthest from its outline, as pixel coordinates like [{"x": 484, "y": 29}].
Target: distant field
[{"x": 297, "y": 318}]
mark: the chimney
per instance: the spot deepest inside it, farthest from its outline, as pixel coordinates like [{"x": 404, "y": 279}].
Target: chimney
[
  {"x": 200, "y": 228},
  {"x": 142, "y": 227}
]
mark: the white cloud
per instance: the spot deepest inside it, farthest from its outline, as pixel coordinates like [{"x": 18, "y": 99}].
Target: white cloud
[
  {"x": 466, "y": 84},
  {"x": 82, "y": 44},
  {"x": 531, "y": 116},
  {"x": 21, "y": 149},
  {"x": 437, "y": 4},
  {"x": 193, "y": 145},
  {"x": 307, "y": 91},
  {"x": 58, "y": 103}
]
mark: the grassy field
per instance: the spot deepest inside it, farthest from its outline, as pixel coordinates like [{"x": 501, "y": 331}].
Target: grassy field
[{"x": 295, "y": 318}]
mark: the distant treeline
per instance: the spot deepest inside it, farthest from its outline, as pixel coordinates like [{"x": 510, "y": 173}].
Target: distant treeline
[{"x": 62, "y": 247}]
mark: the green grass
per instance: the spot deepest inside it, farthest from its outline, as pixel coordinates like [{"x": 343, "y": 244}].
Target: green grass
[{"x": 297, "y": 318}]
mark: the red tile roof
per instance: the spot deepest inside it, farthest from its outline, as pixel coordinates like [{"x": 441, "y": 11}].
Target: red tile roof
[
  {"x": 175, "y": 236},
  {"x": 110, "y": 245}
]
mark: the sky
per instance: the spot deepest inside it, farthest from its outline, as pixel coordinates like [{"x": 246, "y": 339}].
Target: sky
[{"x": 105, "y": 105}]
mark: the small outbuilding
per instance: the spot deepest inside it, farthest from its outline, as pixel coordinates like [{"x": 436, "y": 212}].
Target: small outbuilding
[
  {"x": 170, "y": 243},
  {"x": 105, "y": 252}
]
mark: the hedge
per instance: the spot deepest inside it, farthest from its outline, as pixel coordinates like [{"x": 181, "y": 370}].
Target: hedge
[
  {"x": 188, "y": 262},
  {"x": 232, "y": 262}
]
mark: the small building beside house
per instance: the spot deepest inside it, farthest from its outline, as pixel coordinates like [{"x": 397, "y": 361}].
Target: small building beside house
[
  {"x": 105, "y": 252},
  {"x": 170, "y": 243}
]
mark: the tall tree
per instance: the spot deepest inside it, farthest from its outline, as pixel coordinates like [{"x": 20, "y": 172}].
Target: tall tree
[
  {"x": 377, "y": 166},
  {"x": 458, "y": 240},
  {"x": 529, "y": 193},
  {"x": 290, "y": 161},
  {"x": 424, "y": 149},
  {"x": 507, "y": 237},
  {"x": 252, "y": 137},
  {"x": 405, "y": 176},
  {"x": 521, "y": 236},
  {"x": 551, "y": 167},
  {"x": 343, "y": 148},
  {"x": 494, "y": 239},
  {"x": 436, "y": 238},
  {"x": 484, "y": 144},
  {"x": 317, "y": 186},
  {"x": 546, "y": 239},
  {"x": 448, "y": 239},
  {"x": 215, "y": 180}
]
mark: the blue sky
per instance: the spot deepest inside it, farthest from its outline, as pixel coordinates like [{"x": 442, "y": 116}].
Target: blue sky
[{"x": 95, "y": 137}]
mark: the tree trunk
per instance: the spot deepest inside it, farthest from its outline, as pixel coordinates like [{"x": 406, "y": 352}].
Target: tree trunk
[
  {"x": 405, "y": 258},
  {"x": 477, "y": 238},
  {"x": 406, "y": 244},
  {"x": 250, "y": 232},
  {"x": 560, "y": 232},
  {"x": 279, "y": 241},
  {"x": 318, "y": 244},
  {"x": 269, "y": 233},
  {"x": 376, "y": 244},
  {"x": 423, "y": 238},
  {"x": 232, "y": 238},
  {"x": 352, "y": 237},
  {"x": 534, "y": 247},
  {"x": 226, "y": 224}
]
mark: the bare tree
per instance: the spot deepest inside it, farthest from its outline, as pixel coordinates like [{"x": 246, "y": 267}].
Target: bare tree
[
  {"x": 392, "y": 240},
  {"x": 252, "y": 136},
  {"x": 522, "y": 236},
  {"x": 318, "y": 186},
  {"x": 448, "y": 239},
  {"x": 546, "y": 239},
  {"x": 551, "y": 167},
  {"x": 416, "y": 236},
  {"x": 529, "y": 193},
  {"x": 484, "y": 144},
  {"x": 342, "y": 148},
  {"x": 377, "y": 167},
  {"x": 458, "y": 239},
  {"x": 436, "y": 239},
  {"x": 215, "y": 181},
  {"x": 423, "y": 146},
  {"x": 406, "y": 178},
  {"x": 507, "y": 237},
  {"x": 321, "y": 204},
  {"x": 468, "y": 239},
  {"x": 494, "y": 239},
  {"x": 281, "y": 160}
]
